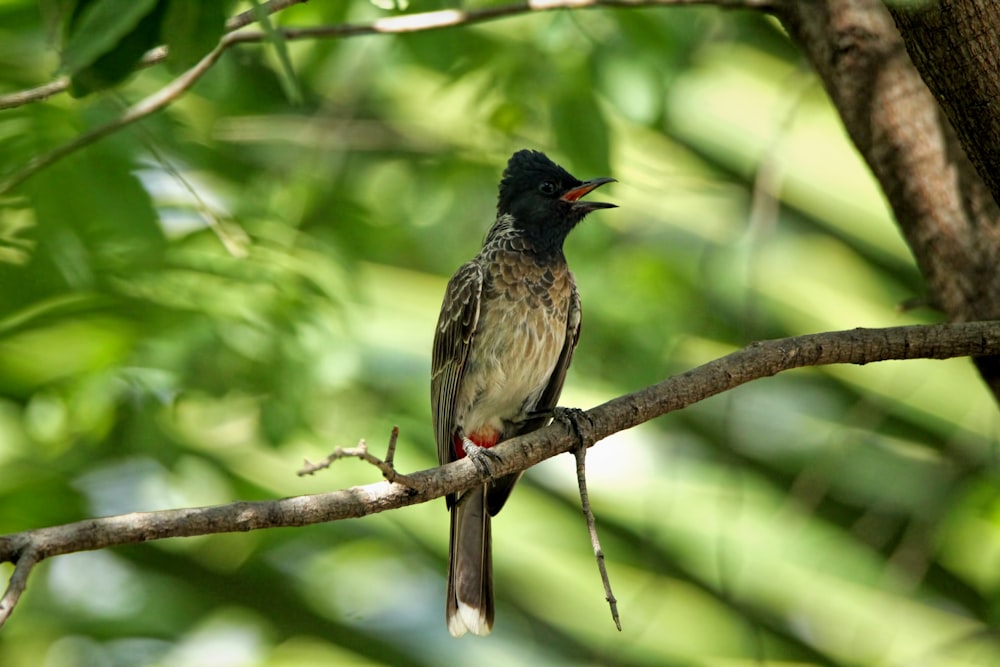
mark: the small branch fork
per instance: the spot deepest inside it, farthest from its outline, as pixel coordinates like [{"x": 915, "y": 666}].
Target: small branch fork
[
  {"x": 758, "y": 360},
  {"x": 387, "y": 468}
]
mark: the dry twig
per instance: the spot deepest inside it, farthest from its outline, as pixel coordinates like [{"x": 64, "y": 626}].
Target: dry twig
[
  {"x": 581, "y": 479},
  {"x": 581, "y": 426},
  {"x": 18, "y": 582},
  {"x": 361, "y": 452}
]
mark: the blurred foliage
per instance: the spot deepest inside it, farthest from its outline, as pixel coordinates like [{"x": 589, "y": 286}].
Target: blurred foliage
[{"x": 192, "y": 306}]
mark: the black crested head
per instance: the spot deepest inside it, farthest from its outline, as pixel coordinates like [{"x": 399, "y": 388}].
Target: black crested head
[{"x": 543, "y": 198}]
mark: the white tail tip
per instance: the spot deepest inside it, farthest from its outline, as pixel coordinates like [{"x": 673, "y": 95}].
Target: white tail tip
[{"x": 468, "y": 619}]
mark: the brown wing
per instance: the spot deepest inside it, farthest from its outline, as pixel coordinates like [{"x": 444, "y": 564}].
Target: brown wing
[
  {"x": 453, "y": 336},
  {"x": 499, "y": 491}
]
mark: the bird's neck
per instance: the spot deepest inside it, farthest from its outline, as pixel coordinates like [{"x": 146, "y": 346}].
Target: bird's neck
[{"x": 506, "y": 233}]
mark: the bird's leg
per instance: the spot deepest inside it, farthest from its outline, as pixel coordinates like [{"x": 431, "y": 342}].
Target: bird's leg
[
  {"x": 479, "y": 455},
  {"x": 577, "y": 421}
]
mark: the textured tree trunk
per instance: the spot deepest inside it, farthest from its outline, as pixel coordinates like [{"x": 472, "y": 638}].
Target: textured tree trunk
[
  {"x": 955, "y": 45},
  {"x": 916, "y": 148}
]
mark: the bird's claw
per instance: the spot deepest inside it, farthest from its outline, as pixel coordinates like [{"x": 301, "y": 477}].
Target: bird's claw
[
  {"x": 480, "y": 457},
  {"x": 577, "y": 421}
]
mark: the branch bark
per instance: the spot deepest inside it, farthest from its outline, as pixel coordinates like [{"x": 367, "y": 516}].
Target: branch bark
[
  {"x": 758, "y": 360},
  {"x": 955, "y": 45},
  {"x": 945, "y": 210}
]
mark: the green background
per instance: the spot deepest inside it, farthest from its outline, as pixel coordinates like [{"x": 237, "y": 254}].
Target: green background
[{"x": 191, "y": 307}]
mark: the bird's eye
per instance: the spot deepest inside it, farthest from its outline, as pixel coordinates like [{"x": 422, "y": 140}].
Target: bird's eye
[{"x": 547, "y": 188}]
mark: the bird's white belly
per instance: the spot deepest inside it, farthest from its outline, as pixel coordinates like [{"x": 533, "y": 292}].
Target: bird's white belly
[{"x": 512, "y": 359}]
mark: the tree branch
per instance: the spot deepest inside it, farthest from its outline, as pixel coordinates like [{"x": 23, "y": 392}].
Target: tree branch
[
  {"x": 449, "y": 18},
  {"x": 954, "y": 43},
  {"x": 894, "y": 121},
  {"x": 944, "y": 209},
  {"x": 405, "y": 23},
  {"x": 758, "y": 360}
]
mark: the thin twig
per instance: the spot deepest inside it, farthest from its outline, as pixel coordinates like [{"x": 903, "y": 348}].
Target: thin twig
[
  {"x": 361, "y": 452},
  {"x": 581, "y": 479},
  {"x": 390, "y": 453},
  {"x": 267, "y": 8},
  {"x": 37, "y": 94},
  {"x": 18, "y": 582},
  {"x": 449, "y": 18}
]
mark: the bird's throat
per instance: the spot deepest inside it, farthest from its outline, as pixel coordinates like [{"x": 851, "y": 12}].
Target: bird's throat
[{"x": 547, "y": 242}]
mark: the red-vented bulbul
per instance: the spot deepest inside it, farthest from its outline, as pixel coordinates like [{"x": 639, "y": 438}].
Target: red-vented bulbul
[{"x": 508, "y": 326}]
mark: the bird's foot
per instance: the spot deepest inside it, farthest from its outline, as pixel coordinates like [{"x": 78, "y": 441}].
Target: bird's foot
[
  {"x": 577, "y": 421},
  {"x": 481, "y": 457}
]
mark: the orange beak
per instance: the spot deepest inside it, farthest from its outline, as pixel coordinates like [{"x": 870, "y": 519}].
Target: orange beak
[{"x": 574, "y": 195}]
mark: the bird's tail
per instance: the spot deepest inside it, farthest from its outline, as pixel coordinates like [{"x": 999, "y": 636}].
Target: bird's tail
[{"x": 470, "y": 566}]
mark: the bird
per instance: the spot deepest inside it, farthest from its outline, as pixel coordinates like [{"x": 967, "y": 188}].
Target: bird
[{"x": 509, "y": 323}]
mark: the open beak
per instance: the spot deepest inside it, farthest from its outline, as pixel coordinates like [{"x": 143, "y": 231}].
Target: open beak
[{"x": 573, "y": 196}]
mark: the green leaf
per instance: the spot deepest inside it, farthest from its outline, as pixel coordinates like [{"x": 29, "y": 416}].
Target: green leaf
[
  {"x": 192, "y": 28},
  {"x": 289, "y": 81},
  {"x": 114, "y": 65},
  {"x": 100, "y": 229},
  {"x": 99, "y": 27}
]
